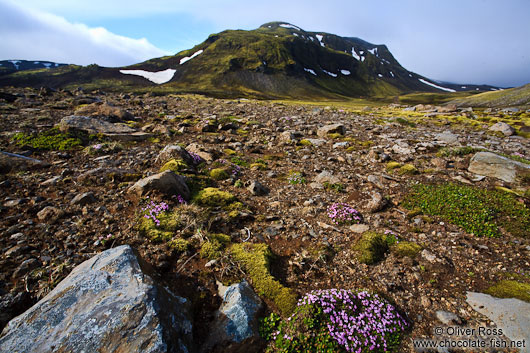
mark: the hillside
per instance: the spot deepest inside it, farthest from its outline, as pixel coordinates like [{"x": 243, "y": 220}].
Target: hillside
[
  {"x": 277, "y": 60},
  {"x": 513, "y": 97},
  {"x": 10, "y": 66}
]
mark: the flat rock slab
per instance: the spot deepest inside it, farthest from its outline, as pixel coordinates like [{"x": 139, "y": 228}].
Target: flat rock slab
[
  {"x": 493, "y": 165},
  {"x": 109, "y": 303},
  {"x": 92, "y": 125},
  {"x": 510, "y": 315},
  {"x": 166, "y": 182}
]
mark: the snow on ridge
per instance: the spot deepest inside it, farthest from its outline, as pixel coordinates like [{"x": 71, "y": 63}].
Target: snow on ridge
[
  {"x": 15, "y": 63},
  {"x": 330, "y": 73},
  {"x": 158, "y": 77},
  {"x": 436, "y": 86},
  {"x": 296, "y": 35},
  {"x": 187, "y": 58},
  {"x": 311, "y": 71},
  {"x": 320, "y": 37},
  {"x": 354, "y": 54},
  {"x": 379, "y": 75},
  {"x": 47, "y": 65},
  {"x": 286, "y": 25},
  {"x": 373, "y": 51},
  {"x": 391, "y": 73},
  {"x": 345, "y": 72}
]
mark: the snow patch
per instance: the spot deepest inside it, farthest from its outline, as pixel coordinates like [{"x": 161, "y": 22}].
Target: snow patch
[
  {"x": 36, "y": 62},
  {"x": 187, "y": 58},
  {"x": 286, "y": 25},
  {"x": 345, "y": 72},
  {"x": 15, "y": 62},
  {"x": 379, "y": 75},
  {"x": 311, "y": 71},
  {"x": 156, "y": 77},
  {"x": 464, "y": 86},
  {"x": 391, "y": 73},
  {"x": 47, "y": 65},
  {"x": 296, "y": 35},
  {"x": 410, "y": 75},
  {"x": 493, "y": 89},
  {"x": 319, "y": 37},
  {"x": 354, "y": 54},
  {"x": 436, "y": 86},
  {"x": 330, "y": 73},
  {"x": 373, "y": 51}
]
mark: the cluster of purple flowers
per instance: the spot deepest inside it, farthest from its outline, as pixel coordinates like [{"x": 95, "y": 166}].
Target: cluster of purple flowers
[
  {"x": 97, "y": 146},
  {"x": 357, "y": 321},
  {"x": 342, "y": 213},
  {"x": 392, "y": 236},
  {"x": 196, "y": 158},
  {"x": 153, "y": 210},
  {"x": 181, "y": 200},
  {"x": 296, "y": 178}
]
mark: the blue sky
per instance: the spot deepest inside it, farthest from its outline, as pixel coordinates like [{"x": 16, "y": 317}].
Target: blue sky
[{"x": 464, "y": 41}]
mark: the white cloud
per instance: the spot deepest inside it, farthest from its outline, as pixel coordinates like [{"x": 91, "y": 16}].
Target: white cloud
[{"x": 35, "y": 35}]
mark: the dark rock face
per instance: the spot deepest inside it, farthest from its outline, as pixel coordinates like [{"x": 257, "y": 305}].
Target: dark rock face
[{"x": 107, "y": 304}]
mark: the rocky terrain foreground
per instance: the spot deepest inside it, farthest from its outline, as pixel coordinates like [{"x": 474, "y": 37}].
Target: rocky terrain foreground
[{"x": 425, "y": 206}]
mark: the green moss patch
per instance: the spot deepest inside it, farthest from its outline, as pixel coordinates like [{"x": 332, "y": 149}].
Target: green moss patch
[
  {"x": 457, "y": 151},
  {"x": 477, "y": 211},
  {"x": 408, "y": 169},
  {"x": 213, "y": 197},
  {"x": 406, "y": 248},
  {"x": 254, "y": 259},
  {"x": 510, "y": 289},
  {"x": 51, "y": 139},
  {"x": 175, "y": 165},
  {"x": 213, "y": 247},
  {"x": 169, "y": 223},
  {"x": 392, "y": 165},
  {"x": 219, "y": 174},
  {"x": 371, "y": 248}
]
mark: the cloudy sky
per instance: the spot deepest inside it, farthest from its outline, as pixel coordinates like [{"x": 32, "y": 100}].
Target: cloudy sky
[{"x": 462, "y": 41}]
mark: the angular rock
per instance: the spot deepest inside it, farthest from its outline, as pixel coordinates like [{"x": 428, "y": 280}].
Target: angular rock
[
  {"x": 493, "y": 165},
  {"x": 287, "y": 136},
  {"x": 109, "y": 303},
  {"x": 174, "y": 152},
  {"x": 331, "y": 129},
  {"x": 510, "y": 315},
  {"x": 83, "y": 199},
  {"x": 506, "y": 129},
  {"x": 377, "y": 203},
  {"x": 317, "y": 142},
  {"x": 359, "y": 228},
  {"x": 447, "y": 318},
  {"x": 102, "y": 175},
  {"x": 258, "y": 189},
  {"x": 199, "y": 150},
  {"x": 447, "y": 137},
  {"x": 327, "y": 177},
  {"x": 166, "y": 182},
  {"x": 104, "y": 110},
  {"x": 237, "y": 318},
  {"x": 50, "y": 214},
  {"x": 92, "y": 125}
]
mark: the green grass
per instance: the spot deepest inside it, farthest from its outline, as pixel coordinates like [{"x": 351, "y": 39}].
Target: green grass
[
  {"x": 477, "y": 211},
  {"x": 51, "y": 139}
]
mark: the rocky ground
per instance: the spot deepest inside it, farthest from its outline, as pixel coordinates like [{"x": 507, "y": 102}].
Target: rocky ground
[{"x": 58, "y": 211}]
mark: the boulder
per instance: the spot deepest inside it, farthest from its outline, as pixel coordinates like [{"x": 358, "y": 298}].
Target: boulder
[
  {"x": 506, "y": 129},
  {"x": 258, "y": 189},
  {"x": 236, "y": 321},
  {"x": 511, "y": 315},
  {"x": 174, "y": 152},
  {"x": 104, "y": 110},
  {"x": 447, "y": 137},
  {"x": 166, "y": 182},
  {"x": 493, "y": 165},
  {"x": 326, "y": 177},
  {"x": 83, "y": 199},
  {"x": 331, "y": 129},
  {"x": 109, "y": 303},
  {"x": 92, "y": 125}
]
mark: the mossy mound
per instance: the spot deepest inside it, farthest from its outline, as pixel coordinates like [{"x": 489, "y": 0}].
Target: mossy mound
[
  {"x": 213, "y": 197},
  {"x": 254, "y": 259},
  {"x": 51, "y": 139},
  {"x": 392, "y": 165},
  {"x": 305, "y": 142},
  {"x": 477, "y": 211},
  {"x": 219, "y": 174},
  {"x": 406, "y": 248},
  {"x": 510, "y": 289},
  {"x": 258, "y": 166},
  {"x": 408, "y": 169},
  {"x": 371, "y": 248},
  {"x": 169, "y": 223},
  {"x": 213, "y": 247},
  {"x": 179, "y": 244},
  {"x": 175, "y": 165}
]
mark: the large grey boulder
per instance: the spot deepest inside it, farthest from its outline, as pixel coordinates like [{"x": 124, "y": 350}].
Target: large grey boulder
[
  {"x": 504, "y": 128},
  {"x": 174, "y": 151},
  {"x": 120, "y": 132},
  {"x": 331, "y": 129},
  {"x": 166, "y": 182},
  {"x": 109, "y": 303},
  {"x": 510, "y": 315},
  {"x": 236, "y": 321},
  {"x": 493, "y": 165}
]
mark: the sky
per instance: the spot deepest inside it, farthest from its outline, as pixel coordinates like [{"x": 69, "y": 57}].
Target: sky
[{"x": 460, "y": 41}]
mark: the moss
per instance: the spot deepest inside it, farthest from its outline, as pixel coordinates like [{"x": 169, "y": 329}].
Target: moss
[
  {"x": 169, "y": 223},
  {"x": 239, "y": 161},
  {"x": 457, "y": 151},
  {"x": 48, "y": 140},
  {"x": 408, "y": 169},
  {"x": 229, "y": 151},
  {"x": 405, "y": 122},
  {"x": 335, "y": 135},
  {"x": 371, "y": 248},
  {"x": 337, "y": 187},
  {"x": 510, "y": 289},
  {"x": 179, "y": 244},
  {"x": 305, "y": 142},
  {"x": 392, "y": 165},
  {"x": 213, "y": 197},
  {"x": 477, "y": 211},
  {"x": 214, "y": 246},
  {"x": 258, "y": 166},
  {"x": 254, "y": 258},
  {"x": 175, "y": 165},
  {"x": 406, "y": 248},
  {"x": 219, "y": 174}
]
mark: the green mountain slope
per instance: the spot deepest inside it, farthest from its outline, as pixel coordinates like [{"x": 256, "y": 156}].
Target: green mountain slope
[
  {"x": 277, "y": 60},
  {"x": 513, "y": 97}
]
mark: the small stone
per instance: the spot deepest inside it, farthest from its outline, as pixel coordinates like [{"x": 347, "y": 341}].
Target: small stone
[
  {"x": 258, "y": 189},
  {"x": 359, "y": 228},
  {"x": 429, "y": 256},
  {"x": 83, "y": 199},
  {"x": 377, "y": 203},
  {"x": 448, "y": 318},
  {"x": 506, "y": 129},
  {"x": 331, "y": 129}
]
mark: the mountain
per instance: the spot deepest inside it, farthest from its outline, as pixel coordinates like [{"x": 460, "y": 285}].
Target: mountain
[
  {"x": 513, "y": 97},
  {"x": 274, "y": 61},
  {"x": 10, "y": 66}
]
